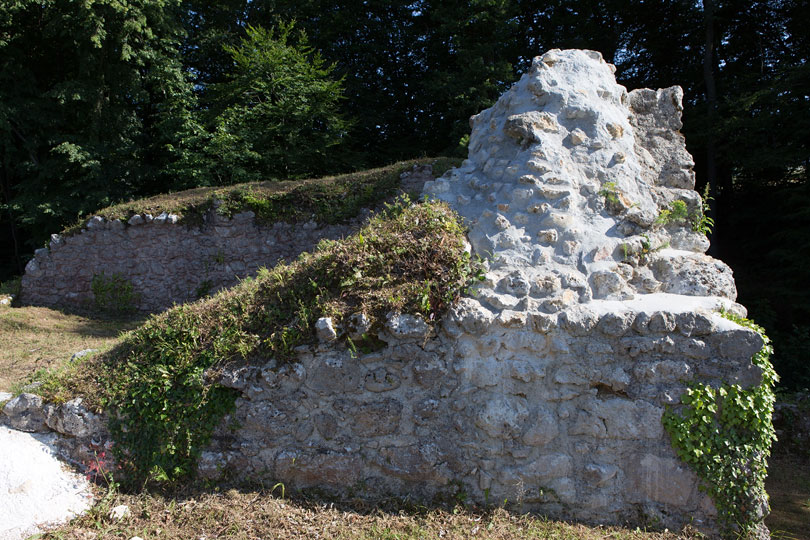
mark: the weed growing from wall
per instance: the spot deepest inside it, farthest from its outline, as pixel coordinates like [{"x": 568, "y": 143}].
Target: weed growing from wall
[
  {"x": 113, "y": 293},
  {"x": 610, "y": 193},
  {"x": 724, "y": 434},
  {"x": 678, "y": 214}
]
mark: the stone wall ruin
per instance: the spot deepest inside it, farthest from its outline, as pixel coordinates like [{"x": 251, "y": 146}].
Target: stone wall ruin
[
  {"x": 546, "y": 386},
  {"x": 168, "y": 262}
]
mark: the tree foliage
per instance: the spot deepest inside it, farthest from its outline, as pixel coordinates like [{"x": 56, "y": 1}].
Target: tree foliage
[
  {"x": 277, "y": 113},
  {"x": 93, "y": 99}
]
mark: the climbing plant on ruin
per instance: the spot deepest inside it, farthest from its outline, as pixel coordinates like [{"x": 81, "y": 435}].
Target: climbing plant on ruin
[{"x": 725, "y": 435}]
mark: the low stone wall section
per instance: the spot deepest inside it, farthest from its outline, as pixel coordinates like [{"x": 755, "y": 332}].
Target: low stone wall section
[
  {"x": 167, "y": 262},
  {"x": 559, "y": 414}
]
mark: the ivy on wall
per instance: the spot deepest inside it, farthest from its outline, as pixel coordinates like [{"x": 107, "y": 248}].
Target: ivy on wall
[{"x": 724, "y": 434}]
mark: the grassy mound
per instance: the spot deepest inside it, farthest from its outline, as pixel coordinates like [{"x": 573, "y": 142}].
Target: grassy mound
[
  {"x": 157, "y": 384},
  {"x": 330, "y": 199}
]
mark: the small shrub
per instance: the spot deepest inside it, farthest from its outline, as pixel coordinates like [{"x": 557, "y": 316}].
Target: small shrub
[
  {"x": 9, "y": 292},
  {"x": 700, "y": 221},
  {"x": 10, "y": 287},
  {"x": 676, "y": 213},
  {"x": 610, "y": 192},
  {"x": 114, "y": 294},
  {"x": 203, "y": 289}
]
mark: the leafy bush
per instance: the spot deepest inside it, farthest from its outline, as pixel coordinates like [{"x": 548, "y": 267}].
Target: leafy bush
[
  {"x": 278, "y": 114},
  {"x": 113, "y": 294}
]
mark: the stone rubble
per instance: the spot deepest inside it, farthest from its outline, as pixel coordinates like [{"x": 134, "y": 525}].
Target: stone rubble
[{"x": 82, "y": 434}]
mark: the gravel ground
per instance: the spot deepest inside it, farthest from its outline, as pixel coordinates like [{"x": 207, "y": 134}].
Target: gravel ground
[{"x": 36, "y": 489}]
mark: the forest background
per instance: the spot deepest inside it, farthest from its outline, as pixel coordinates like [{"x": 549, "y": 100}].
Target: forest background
[{"x": 107, "y": 100}]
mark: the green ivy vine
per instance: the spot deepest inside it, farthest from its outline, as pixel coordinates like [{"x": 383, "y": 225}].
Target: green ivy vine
[{"x": 724, "y": 434}]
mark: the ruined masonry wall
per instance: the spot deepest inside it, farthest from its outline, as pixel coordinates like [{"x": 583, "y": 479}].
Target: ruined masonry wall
[
  {"x": 559, "y": 414},
  {"x": 545, "y": 387},
  {"x": 166, "y": 262}
]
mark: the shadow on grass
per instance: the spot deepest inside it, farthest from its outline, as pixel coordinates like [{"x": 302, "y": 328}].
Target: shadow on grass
[{"x": 788, "y": 485}]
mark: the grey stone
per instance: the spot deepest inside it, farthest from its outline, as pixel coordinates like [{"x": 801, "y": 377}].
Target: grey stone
[
  {"x": 382, "y": 380},
  {"x": 327, "y": 425},
  {"x": 609, "y": 285},
  {"x": 94, "y": 223},
  {"x": 695, "y": 275},
  {"x": 543, "y": 430},
  {"x": 357, "y": 325},
  {"x": 81, "y": 354},
  {"x": 370, "y": 418},
  {"x": 325, "y": 329},
  {"x": 137, "y": 219},
  {"x": 578, "y": 321},
  {"x": 503, "y": 416},
  {"x": 429, "y": 371},
  {"x": 661, "y": 322},
  {"x": 662, "y": 480},
  {"x": 406, "y": 326},
  {"x": 334, "y": 374},
  {"x": 26, "y": 412},
  {"x": 412, "y": 463},
  {"x": 73, "y": 419},
  {"x": 32, "y": 268},
  {"x": 548, "y": 467},
  {"x": 599, "y": 475},
  {"x": 615, "y": 324},
  {"x": 471, "y": 316}
]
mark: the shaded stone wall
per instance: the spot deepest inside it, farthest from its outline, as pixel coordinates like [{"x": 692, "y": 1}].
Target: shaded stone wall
[{"x": 166, "y": 262}]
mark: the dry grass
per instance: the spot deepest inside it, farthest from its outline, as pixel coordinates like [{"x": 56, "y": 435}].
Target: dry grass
[
  {"x": 248, "y": 515},
  {"x": 35, "y": 338},
  {"x": 788, "y": 484}
]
